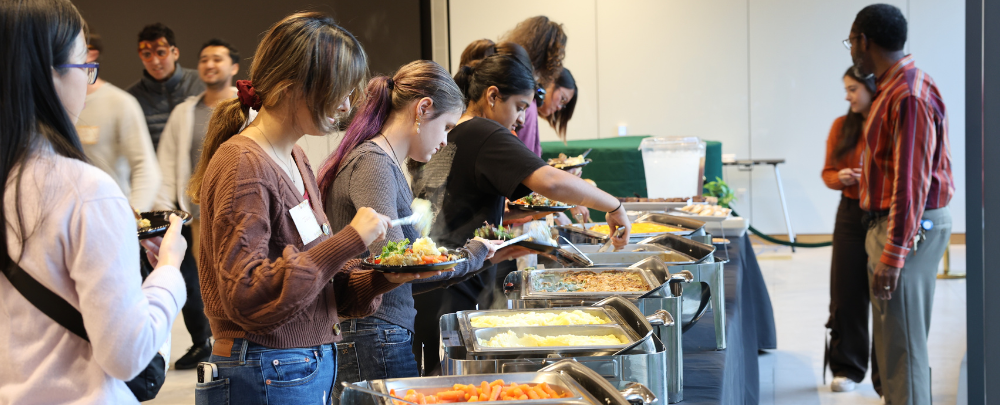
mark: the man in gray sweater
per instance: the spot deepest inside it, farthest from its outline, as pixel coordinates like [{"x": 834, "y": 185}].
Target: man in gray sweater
[
  {"x": 114, "y": 137},
  {"x": 164, "y": 82}
]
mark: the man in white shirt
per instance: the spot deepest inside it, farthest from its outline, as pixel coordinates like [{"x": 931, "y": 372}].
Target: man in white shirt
[
  {"x": 179, "y": 151},
  {"x": 115, "y": 138}
]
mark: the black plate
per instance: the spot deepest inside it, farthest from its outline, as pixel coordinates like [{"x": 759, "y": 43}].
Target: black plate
[
  {"x": 420, "y": 268},
  {"x": 585, "y": 162},
  {"x": 539, "y": 208},
  {"x": 159, "y": 221}
]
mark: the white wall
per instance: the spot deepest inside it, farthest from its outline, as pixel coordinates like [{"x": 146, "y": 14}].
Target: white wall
[{"x": 762, "y": 77}]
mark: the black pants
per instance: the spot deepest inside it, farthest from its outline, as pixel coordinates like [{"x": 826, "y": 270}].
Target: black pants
[
  {"x": 848, "y": 352},
  {"x": 477, "y": 290},
  {"x": 194, "y": 309}
]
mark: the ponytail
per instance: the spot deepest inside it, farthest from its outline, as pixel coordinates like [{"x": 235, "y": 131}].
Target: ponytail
[
  {"x": 227, "y": 120},
  {"x": 365, "y": 126},
  {"x": 413, "y": 81},
  {"x": 305, "y": 54},
  {"x": 477, "y": 50},
  {"x": 464, "y": 78},
  {"x": 508, "y": 69}
]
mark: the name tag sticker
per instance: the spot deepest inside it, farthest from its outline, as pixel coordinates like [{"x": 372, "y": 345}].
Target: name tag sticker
[{"x": 305, "y": 222}]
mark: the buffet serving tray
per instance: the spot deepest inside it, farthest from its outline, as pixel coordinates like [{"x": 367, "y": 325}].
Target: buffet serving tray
[
  {"x": 466, "y": 317},
  {"x": 534, "y": 278},
  {"x": 584, "y": 386},
  {"x": 479, "y": 336},
  {"x": 430, "y": 385},
  {"x": 683, "y": 229}
]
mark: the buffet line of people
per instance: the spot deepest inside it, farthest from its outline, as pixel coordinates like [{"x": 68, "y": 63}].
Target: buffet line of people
[{"x": 279, "y": 271}]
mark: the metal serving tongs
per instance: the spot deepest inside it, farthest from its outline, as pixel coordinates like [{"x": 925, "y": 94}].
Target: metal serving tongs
[
  {"x": 537, "y": 231},
  {"x": 586, "y": 260},
  {"x": 366, "y": 391},
  {"x": 611, "y": 240}
]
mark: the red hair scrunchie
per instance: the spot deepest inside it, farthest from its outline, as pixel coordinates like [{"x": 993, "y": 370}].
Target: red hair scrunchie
[{"x": 247, "y": 95}]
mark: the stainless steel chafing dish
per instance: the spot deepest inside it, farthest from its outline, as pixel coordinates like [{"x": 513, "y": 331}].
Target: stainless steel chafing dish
[
  {"x": 705, "y": 287},
  {"x": 670, "y": 249},
  {"x": 646, "y": 363},
  {"x": 570, "y": 256},
  {"x": 583, "y": 386},
  {"x": 666, "y": 295},
  {"x": 577, "y": 234},
  {"x": 541, "y": 283},
  {"x": 624, "y": 321}
]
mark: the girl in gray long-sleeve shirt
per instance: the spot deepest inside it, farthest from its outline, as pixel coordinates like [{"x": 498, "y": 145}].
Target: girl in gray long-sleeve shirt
[{"x": 405, "y": 116}]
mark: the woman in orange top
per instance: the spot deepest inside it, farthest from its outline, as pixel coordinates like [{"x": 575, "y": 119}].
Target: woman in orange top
[{"x": 847, "y": 351}]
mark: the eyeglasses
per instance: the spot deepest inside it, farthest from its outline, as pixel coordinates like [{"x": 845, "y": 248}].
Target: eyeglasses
[
  {"x": 847, "y": 42},
  {"x": 89, "y": 68},
  {"x": 539, "y": 97}
]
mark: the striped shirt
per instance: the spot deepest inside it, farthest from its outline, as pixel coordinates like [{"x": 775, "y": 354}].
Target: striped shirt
[{"x": 906, "y": 166}]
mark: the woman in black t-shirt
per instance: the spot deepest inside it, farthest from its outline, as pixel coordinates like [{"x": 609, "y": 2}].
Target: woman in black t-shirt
[{"x": 483, "y": 164}]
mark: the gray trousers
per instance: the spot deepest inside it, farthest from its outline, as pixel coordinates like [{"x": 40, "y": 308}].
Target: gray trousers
[{"x": 901, "y": 325}]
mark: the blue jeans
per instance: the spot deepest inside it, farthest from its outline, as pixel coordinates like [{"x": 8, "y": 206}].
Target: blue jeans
[
  {"x": 254, "y": 374},
  {"x": 374, "y": 349}
]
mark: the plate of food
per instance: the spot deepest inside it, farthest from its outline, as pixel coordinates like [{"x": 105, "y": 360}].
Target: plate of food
[
  {"x": 423, "y": 255},
  {"x": 155, "y": 223},
  {"x": 565, "y": 163},
  {"x": 544, "y": 245},
  {"x": 538, "y": 203}
]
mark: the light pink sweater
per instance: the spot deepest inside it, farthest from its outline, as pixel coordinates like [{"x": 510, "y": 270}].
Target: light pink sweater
[{"x": 82, "y": 245}]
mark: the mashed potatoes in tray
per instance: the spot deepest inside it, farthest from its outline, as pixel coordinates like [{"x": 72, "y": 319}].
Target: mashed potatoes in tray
[
  {"x": 510, "y": 339},
  {"x": 576, "y": 317}
]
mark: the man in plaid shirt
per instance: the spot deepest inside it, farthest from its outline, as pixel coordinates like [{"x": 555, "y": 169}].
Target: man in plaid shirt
[{"x": 906, "y": 185}]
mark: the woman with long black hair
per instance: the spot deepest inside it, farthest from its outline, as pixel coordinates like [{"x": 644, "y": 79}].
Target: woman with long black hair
[
  {"x": 69, "y": 229},
  {"x": 482, "y": 165},
  {"x": 847, "y": 352}
]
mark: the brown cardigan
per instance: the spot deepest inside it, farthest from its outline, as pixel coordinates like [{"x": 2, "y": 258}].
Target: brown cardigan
[{"x": 257, "y": 279}]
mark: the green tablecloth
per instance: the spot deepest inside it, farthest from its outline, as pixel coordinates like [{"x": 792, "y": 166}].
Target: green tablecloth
[{"x": 617, "y": 167}]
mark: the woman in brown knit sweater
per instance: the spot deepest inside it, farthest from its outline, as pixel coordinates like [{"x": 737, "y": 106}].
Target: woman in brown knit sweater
[{"x": 274, "y": 280}]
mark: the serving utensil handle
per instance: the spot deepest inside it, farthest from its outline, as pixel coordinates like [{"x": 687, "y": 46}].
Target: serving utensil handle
[{"x": 513, "y": 241}]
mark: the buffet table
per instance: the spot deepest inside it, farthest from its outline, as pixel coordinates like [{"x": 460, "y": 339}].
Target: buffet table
[{"x": 731, "y": 376}]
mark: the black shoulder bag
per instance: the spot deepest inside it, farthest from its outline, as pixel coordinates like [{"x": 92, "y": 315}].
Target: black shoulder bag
[{"x": 144, "y": 386}]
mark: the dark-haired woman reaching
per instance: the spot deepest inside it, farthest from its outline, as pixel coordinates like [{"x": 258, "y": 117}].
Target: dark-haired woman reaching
[
  {"x": 484, "y": 163},
  {"x": 848, "y": 349}
]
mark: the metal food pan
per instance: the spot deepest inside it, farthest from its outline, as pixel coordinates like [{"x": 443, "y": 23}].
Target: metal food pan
[
  {"x": 701, "y": 252},
  {"x": 534, "y": 275},
  {"x": 684, "y": 230},
  {"x": 466, "y": 317},
  {"x": 621, "y": 333},
  {"x": 560, "y": 383}
]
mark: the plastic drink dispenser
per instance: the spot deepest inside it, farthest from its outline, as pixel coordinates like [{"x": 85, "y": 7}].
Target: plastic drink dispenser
[{"x": 674, "y": 167}]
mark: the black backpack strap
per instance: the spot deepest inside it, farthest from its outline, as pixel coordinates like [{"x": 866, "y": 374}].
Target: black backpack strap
[{"x": 45, "y": 300}]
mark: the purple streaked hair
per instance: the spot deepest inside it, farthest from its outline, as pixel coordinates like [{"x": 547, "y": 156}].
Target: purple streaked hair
[{"x": 413, "y": 81}]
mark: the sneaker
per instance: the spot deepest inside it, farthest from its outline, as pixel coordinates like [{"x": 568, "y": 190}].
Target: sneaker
[
  {"x": 196, "y": 354},
  {"x": 843, "y": 384}
]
